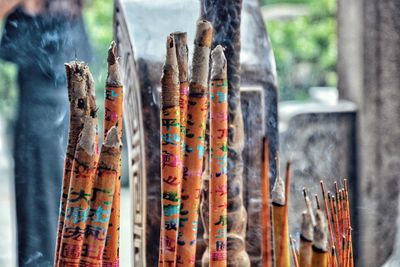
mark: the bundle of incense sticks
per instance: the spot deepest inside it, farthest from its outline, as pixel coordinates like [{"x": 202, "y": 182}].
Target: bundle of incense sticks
[
  {"x": 325, "y": 237},
  {"x": 183, "y": 125},
  {"x": 88, "y": 227}
]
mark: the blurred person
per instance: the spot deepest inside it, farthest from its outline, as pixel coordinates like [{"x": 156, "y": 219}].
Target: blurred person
[{"x": 39, "y": 36}]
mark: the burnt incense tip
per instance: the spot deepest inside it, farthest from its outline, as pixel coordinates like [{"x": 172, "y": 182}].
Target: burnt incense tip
[
  {"x": 170, "y": 77},
  {"x": 87, "y": 138},
  {"x": 113, "y": 139},
  {"x": 320, "y": 240},
  {"x": 113, "y": 75},
  {"x": 219, "y": 64},
  {"x": 204, "y": 32},
  {"x": 77, "y": 76},
  {"x": 278, "y": 192},
  {"x": 307, "y": 227},
  {"x": 182, "y": 54}
]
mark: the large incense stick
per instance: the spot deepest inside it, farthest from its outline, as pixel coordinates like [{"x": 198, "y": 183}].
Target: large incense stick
[
  {"x": 265, "y": 212},
  {"x": 77, "y": 81},
  {"x": 218, "y": 159},
  {"x": 194, "y": 146},
  {"x": 101, "y": 201},
  {"x": 182, "y": 52},
  {"x": 113, "y": 117},
  {"x": 280, "y": 223},
  {"x": 306, "y": 238},
  {"x": 171, "y": 164},
  {"x": 320, "y": 242},
  {"x": 78, "y": 202}
]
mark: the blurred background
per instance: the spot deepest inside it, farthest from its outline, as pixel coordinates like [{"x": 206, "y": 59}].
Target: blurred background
[{"x": 337, "y": 65}]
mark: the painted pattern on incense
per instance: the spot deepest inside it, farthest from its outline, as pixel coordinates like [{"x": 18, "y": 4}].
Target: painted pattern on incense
[
  {"x": 113, "y": 117},
  {"x": 183, "y": 105},
  {"x": 171, "y": 183},
  {"x": 101, "y": 203},
  {"x": 191, "y": 183},
  {"x": 218, "y": 171},
  {"x": 78, "y": 208}
]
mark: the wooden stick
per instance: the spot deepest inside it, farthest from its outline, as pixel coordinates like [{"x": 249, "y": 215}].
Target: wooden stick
[
  {"x": 306, "y": 238},
  {"x": 320, "y": 242},
  {"x": 77, "y": 206},
  {"x": 266, "y": 257},
  {"x": 170, "y": 158},
  {"x": 77, "y": 78},
  {"x": 101, "y": 201},
  {"x": 218, "y": 159},
  {"x": 280, "y": 222},
  {"x": 113, "y": 117},
  {"x": 194, "y": 146},
  {"x": 293, "y": 250}
]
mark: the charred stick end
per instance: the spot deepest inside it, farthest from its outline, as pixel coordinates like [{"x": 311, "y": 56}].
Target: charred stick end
[
  {"x": 182, "y": 53},
  {"x": 113, "y": 76},
  {"x": 219, "y": 64},
  {"x": 201, "y": 57},
  {"x": 170, "y": 77},
  {"x": 87, "y": 139},
  {"x": 278, "y": 192},
  {"x": 320, "y": 241}
]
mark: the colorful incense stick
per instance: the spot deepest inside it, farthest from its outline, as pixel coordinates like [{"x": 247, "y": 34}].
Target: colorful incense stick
[
  {"x": 218, "y": 159},
  {"x": 306, "y": 238},
  {"x": 170, "y": 158},
  {"x": 101, "y": 201},
  {"x": 77, "y": 82},
  {"x": 182, "y": 52},
  {"x": 113, "y": 117},
  {"x": 78, "y": 202},
  {"x": 194, "y": 146}
]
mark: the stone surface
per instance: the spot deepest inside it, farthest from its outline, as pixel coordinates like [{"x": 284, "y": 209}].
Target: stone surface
[{"x": 374, "y": 60}]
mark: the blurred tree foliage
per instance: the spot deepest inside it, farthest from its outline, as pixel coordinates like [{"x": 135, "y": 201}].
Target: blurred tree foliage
[
  {"x": 98, "y": 19},
  {"x": 305, "y": 48}
]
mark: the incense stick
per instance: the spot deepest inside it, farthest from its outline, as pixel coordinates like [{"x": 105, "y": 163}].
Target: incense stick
[
  {"x": 170, "y": 159},
  {"x": 218, "y": 159},
  {"x": 320, "y": 242},
  {"x": 77, "y": 79},
  {"x": 113, "y": 117},
  {"x": 194, "y": 146}
]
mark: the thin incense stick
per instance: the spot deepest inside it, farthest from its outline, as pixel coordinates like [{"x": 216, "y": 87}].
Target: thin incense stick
[
  {"x": 171, "y": 165},
  {"x": 194, "y": 146},
  {"x": 113, "y": 117},
  {"x": 265, "y": 212},
  {"x": 218, "y": 159}
]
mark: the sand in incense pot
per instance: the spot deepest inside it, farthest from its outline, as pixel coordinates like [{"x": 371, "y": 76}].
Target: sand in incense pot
[
  {"x": 101, "y": 201},
  {"x": 194, "y": 146},
  {"x": 170, "y": 157},
  {"x": 218, "y": 159},
  {"x": 77, "y": 73},
  {"x": 78, "y": 202},
  {"x": 113, "y": 117}
]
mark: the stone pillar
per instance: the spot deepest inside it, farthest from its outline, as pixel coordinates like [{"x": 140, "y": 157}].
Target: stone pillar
[{"x": 369, "y": 67}]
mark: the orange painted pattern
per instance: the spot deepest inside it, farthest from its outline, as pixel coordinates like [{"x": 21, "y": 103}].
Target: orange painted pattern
[{"x": 218, "y": 171}]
